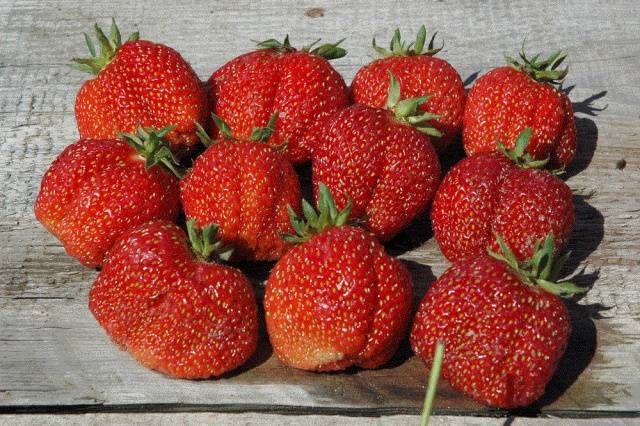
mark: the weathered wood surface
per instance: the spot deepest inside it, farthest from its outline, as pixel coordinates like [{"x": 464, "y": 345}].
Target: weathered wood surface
[
  {"x": 52, "y": 352},
  {"x": 227, "y": 419}
]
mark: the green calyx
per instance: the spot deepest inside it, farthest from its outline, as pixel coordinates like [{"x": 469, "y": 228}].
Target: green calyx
[
  {"x": 259, "y": 134},
  {"x": 540, "y": 270},
  {"x": 108, "y": 48},
  {"x": 543, "y": 70},
  {"x": 314, "y": 222},
  {"x": 407, "y": 110},
  {"x": 519, "y": 155},
  {"x": 328, "y": 51},
  {"x": 399, "y": 48},
  {"x": 204, "y": 242},
  {"x": 152, "y": 146}
]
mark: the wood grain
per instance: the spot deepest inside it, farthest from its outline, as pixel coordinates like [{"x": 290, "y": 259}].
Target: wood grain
[{"x": 52, "y": 352}]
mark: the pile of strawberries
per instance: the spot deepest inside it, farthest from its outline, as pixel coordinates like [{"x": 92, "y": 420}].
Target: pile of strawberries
[{"x": 161, "y": 153}]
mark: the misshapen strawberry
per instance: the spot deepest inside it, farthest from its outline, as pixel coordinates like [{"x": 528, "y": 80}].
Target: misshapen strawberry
[
  {"x": 382, "y": 160},
  {"x": 336, "y": 299},
  {"x": 491, "y": 193},
  {"x": 419, "y": 73},
  {"x": 300, "y": 84},
  {"x": 506, "y": 100},
  {"x": 98, "y": 189},
  {"x": 244, "y": 187},
  {"x": 173, "y": 313},
  {"x": 503, "y": 326},
  {"x": 138, "y": 83}
]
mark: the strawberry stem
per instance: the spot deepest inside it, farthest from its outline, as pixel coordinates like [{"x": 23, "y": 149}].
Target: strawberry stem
[
  {"x": 519, "y": 155},
  {"x": 434, "y": 376},
  {"x": 328, "y": 51},
  {"x": 263, "y": 134},
  {"x": 108, "y": 49},
  {"x": 204, "y": 242},
  {"x": 540, "y": 270},
  {"x": 152, "y": 146},
  {"x": 407, "y": 110},
  {"x": 544, "y": 70},
  {"x": 327, "y": 216},
  {"x": 398, "y": 48}
]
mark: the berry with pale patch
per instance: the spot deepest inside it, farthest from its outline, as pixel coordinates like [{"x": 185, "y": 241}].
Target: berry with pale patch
[
  {"x": 382, "y": 160},
  {"x": 420, "y": 73},
  {"x": 244, "y": 187},
  {"x": 508, "y": 99},
  {"x": 300, "y": 84},
  {"x": 507, "y": 194},
  {"x": 502, "y": 322},
  {"x": 98, "y": 189},
  {"x": 171, "y": 311},
  {"x": 337, "y": 299},
  {"x": 138, "y": 83}
]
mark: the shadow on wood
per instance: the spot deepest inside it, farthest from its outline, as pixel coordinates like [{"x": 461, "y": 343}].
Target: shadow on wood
[
  {"x": 412, "y": 237},
  {"x": 587, "y": 235}
]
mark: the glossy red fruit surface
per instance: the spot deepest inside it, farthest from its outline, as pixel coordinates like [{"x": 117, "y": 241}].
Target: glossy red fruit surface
[
  {"x": 98, "y": 189},
  {"x": 420, "y": 73},
  {"x": 377, "y": 159},
  {"x": 487, "y": 194},
  {"x": 140, "y": 83},
  {"x": 172, "y": 313},
  {"x": 506, "y": 100},
  {"x": 300, "y": 84},
  {"x": 245, "y": 188},
  {"x": 503, "y": 338}
]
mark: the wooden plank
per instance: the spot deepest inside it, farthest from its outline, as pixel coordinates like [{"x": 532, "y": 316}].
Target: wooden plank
[
  {"x": 53, "y": 352},
  {"x": 222, "y": 419}
]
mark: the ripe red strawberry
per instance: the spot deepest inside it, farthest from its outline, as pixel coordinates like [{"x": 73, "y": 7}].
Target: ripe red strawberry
[
  {"x": 337, "y": 299},
  {"x": 175, "y": 314},
  {"x": 300, "y": 84},
  {"x": 490, "y": 193},
  {"x": 420, "y": 73},
  {"x": 138, "y": 83},
  {"x": 506, "y": 100},
  {"x": 244, "y": 187},
  {"x": 382, "y": 159},
  {"x": 503, "y": 329},
  {"x": 97, "y": 189}
]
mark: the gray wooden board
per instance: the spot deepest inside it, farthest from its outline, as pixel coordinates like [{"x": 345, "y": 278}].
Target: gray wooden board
[{"x": 52, "y": 352}]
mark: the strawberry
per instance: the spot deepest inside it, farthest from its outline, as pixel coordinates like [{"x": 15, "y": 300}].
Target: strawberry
[
  {"x": 300, "y": 84},
  {"x": 138, "y": 83},
  {"x": 382, "y": 159},
  {"x": 244, "y": 187},
  {"x": 420, "y": 73},
  {"x": 507, "y": 99},
  {"x": 504, "y": 194},
  {"x": 171, "y": 311},
  {"x": 336, "y": 299},
  {"x": 502, "y": 324},
  {"x": 97, "y": 189}
]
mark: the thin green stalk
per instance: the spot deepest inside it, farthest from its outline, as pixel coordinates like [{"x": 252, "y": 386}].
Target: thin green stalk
[{"x": 434, "y": 375}]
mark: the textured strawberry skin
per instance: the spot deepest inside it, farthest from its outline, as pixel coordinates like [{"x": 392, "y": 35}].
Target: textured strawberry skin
[
  {"x": 304, "y": 89},
  {"x": 418, "y": 75},
  {"x": 145, "y": 84},
  {"x": 184, "y": 318},
  {"x": 487, "y": 194},
  {"x": 245, "y": 188},
  {"x": 505, "y": 101},
  {"x": 388, "y": 169},
  {"x": 503, "y": 339},
  {"x": 96, "y": 190},
  {"x": 337, "y": 300}
]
